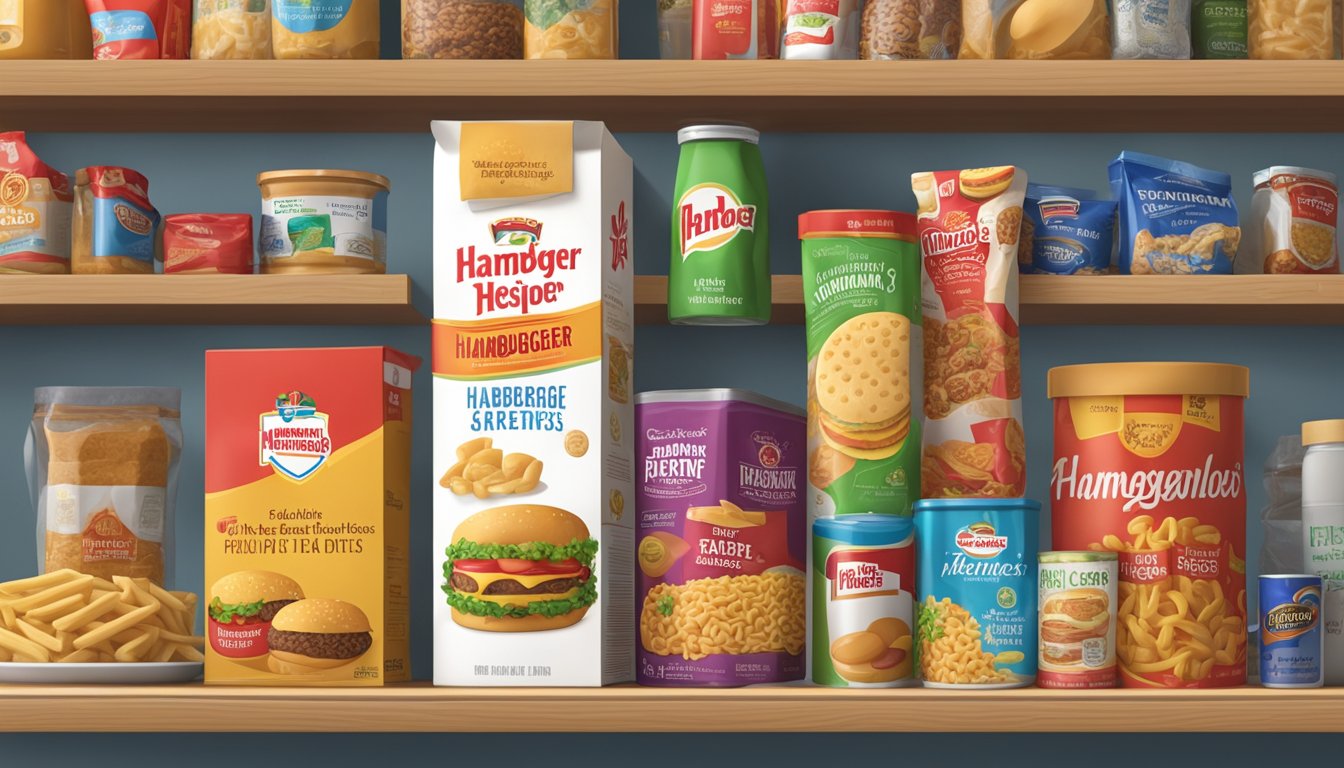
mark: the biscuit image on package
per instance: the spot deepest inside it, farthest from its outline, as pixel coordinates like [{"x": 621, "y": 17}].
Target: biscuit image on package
[
  {"x": 576, "y": 443},
  {"x": 863, "y": 386},
  {"x": 485, "y": 471}
]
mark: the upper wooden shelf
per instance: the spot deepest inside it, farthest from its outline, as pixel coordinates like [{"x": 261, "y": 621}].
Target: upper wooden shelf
[
  {"x": 207, "y": 300},
  {"x": 1111, "y": 300},
  {"x": 408, "y": 708},
  {"x": 641, "y": 95}
]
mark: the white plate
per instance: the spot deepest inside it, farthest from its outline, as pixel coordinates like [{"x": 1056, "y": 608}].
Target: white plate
[{"x": 145, "y": 673}]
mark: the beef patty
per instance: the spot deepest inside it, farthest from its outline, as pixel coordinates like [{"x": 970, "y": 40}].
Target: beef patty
[
  {"x": 320, "y": 645},
  {"x": 269, "y": 610},
  {"x": 463, "y": 582}
]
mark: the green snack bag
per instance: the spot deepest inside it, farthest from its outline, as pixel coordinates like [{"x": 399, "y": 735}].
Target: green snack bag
[
  {"x": 720, "y": 270},
  {"x": 861, "y": 290},
  {"x": 1218, "y": 29}
]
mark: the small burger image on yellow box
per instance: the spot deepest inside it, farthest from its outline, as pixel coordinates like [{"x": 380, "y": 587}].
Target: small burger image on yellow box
[{"x": 310, "y": 636}]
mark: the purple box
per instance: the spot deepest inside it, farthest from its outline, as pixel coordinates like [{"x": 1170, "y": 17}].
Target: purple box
[{"x": 722, "y": 539}]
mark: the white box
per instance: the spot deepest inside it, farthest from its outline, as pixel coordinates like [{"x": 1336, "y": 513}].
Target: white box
[{"x": 533, "y": 340}]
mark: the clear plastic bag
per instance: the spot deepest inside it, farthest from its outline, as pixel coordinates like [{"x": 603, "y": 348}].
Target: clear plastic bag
[
  {"x": 231, "y": 29},
  {"x": 1281, "y": 517}
]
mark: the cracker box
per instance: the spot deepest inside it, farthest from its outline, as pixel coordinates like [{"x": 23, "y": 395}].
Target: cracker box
[
  {"x": 307, "y": 516},
  {"x": 533, "y": 407}
]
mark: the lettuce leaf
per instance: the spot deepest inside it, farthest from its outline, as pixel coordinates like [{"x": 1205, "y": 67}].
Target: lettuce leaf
[
  {"x": 544, "y": 14},
  {"x": 224, "y": 613}
]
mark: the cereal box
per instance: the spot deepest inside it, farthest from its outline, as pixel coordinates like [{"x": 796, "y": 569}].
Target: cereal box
[
  {"x": 307, "y": 516},
  {"x": 533, "y": 410}
]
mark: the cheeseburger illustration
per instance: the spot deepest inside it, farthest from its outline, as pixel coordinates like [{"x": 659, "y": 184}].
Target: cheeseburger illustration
[
  {"x": 316, "y": 634},
  {"x": 1067, "y": 619},
  {"x": 984, "y": 183},
  {"x": 242, "y": 606},
  {"x": 520, "y": 568}
]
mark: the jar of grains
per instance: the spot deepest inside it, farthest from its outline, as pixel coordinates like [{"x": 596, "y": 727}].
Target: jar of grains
[{"x": 461, "y": 29}]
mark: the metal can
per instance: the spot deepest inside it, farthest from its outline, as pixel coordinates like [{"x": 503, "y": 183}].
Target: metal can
[
  {"x": 1290, "y": 631},
  {"x": 1077, "y": 619},
  {"x": 863, "y": 578},
  {"x": 720, "y": 270},
  {"x": 976, "y": 578}
]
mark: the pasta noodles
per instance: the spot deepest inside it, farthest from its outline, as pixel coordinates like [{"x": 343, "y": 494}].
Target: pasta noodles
[
  {"x": 950, "y": 649},
  {"x": 730, "y": 614},
  {"x": 1291, "y": 29},
  {"x": 231, "y": 29},
  {"x": 1180, "y": 626},
  {"x": 586, "y": 30}
]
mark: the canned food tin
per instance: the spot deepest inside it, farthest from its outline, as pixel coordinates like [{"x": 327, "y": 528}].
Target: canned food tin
[
  {"x": 1290, "y": 631},
  {"x": 976, "y": 580},
  {"x": 863, "y": 578},
  {"x": 1077, "y": 624}
]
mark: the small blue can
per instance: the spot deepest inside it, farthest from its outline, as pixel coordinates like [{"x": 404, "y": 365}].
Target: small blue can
[{"x": 1290, "y": 631}]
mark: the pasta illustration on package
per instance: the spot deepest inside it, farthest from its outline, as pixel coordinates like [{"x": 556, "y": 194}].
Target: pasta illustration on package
[
  {"x": 970, "y": 223},
  {"x": 570, "y": 29}
]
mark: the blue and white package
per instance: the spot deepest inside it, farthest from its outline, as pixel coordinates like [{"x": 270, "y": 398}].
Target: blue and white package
[
  {"x": 1175, "y": 218},
  {"x": 1066, "y": 231}
]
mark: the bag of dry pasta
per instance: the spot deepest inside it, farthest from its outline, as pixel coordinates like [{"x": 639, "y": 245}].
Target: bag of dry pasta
[
  {"x": 231, "y": 29},
  {"x": 906, "y": 29},
  {"x": 570, "y": 29},
  {"x": 102, "y": 470},
  {"x": 1035, "y": 29}
]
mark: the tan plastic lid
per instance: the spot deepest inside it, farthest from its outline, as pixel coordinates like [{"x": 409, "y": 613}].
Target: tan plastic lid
[
  {"x": 1326, "y": 431},
  {"x": 1102, "y": 379},
  {"x": 359, "y": 177}
]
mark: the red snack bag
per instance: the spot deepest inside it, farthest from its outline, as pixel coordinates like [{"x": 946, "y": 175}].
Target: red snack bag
[
  {"x": 970, "y": 222},
  {"x": 35, "y": 209},
  {"x": 740, "y": 30},
  {"x": 207, "y": 242},
  {"x": 140, "y": 29}
]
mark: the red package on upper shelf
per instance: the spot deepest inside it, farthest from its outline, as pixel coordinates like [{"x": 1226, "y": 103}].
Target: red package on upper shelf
[{"x": 140, "y": 29}]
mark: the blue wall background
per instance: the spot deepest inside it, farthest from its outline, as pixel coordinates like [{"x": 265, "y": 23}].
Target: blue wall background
[{"x": 1295, "y": 371}]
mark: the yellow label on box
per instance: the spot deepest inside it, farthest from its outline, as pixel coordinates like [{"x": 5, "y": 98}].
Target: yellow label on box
[
  {"x": 1093, "y": 416},
  {"x": 506, "y": 160}
]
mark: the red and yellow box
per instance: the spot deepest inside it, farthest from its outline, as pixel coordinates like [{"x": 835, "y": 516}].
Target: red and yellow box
[{"x": 307, "y": 516}]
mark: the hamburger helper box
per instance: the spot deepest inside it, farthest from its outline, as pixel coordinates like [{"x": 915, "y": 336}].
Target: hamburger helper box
[
  {"x": 307, "y": 516},
  {"x": 533, "y": 414}
]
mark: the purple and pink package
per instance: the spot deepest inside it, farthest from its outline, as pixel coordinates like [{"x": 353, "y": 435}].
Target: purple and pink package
[{"x": 722, "y": 539}]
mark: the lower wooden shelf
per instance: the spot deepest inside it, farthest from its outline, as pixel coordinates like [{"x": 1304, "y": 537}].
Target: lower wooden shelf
[
  {"x": 421, "y": 707},
  {"x": 1111, "y": 300},
  {"x": 207, "y": 300}
]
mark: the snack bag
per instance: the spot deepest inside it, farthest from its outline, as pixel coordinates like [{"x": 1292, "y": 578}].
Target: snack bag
[
  {"x": 35, "y": 206},
  {"x": 570, "y": 29},
  {"x": 140, "y": 29},
  {"x": 969, "y": 225},
  {"x": 1175, "y": 218},
  {"x": 102, "y": 471},
  {"x": 1066, "y": 231},
  {"x": 207, "y": 242},
  {"x": 1292, "y": 224},
  {"x": 115, "y": 226}
]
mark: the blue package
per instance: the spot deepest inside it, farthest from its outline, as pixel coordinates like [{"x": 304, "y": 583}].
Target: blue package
[
  {"x": 1066, "y": 231},
  {"x": 1175, "y": 218}
]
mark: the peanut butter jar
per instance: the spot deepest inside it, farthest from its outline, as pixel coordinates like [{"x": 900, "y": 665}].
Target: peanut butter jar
[{"x": 323, "y": 222}]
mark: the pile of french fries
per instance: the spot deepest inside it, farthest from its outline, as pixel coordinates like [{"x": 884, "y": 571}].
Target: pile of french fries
[{"x": 71, "y": 617}]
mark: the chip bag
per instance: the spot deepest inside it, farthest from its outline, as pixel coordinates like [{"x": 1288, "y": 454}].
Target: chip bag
[
  {"x": 35, "y": 207},
  {"x": 140, "y": 29},
  {"x": 102, "y": 473}
]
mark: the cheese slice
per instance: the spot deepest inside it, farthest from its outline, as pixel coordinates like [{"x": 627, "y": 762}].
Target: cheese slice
[{"x": 484, "y": 580}]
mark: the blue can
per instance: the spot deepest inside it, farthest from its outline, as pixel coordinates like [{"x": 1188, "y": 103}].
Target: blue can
[
  {"x": 976, "y": 579},
  {"x": 1290, "y": 631}
]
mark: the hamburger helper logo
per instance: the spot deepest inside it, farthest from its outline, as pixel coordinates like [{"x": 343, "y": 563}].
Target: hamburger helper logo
[
  {"x": 978, "y": 548},
  {"x": 295, "y": 440},
  {"x": 1146, "y": 490},
  {"x": 524, "y": 276},
  {"x": 711, "y": 215}
]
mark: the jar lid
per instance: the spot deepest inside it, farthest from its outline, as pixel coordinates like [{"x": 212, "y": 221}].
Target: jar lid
[
  {"x": 893, "y": 225},
  {"x": 718, "y": 133},
  {"x": 325, "y": 174},
  {"x": 1100, "y": 379},
  {"x": 1325, "y": 431},
  {"x": 1263, "y": 176},
  {"x": 869, "y": 530}
]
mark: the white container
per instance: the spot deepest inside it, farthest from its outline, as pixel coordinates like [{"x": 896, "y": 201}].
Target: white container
[{"x": 1323, "y": 531}]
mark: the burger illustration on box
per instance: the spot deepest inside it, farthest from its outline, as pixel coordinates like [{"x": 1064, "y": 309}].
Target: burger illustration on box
[
  {"x": 263, "y": 614},
  {"x": 520, "y": 568}
]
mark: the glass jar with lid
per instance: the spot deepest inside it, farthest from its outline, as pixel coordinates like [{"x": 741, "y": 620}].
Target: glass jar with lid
[{"x": 462, "y": 29}]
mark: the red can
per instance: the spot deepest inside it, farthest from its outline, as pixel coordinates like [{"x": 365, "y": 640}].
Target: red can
[
  {"x": 735, "y": 29},
  {"x": 1148, "y": 464}
]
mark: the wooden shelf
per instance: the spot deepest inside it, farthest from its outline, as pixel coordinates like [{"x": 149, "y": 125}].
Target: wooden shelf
[
  {"x": 419, "y": 707},
  {"x": 636, "y": 95},
  {"x": 1111, "y": 300},
  {"x": 207, "y": 300}
]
